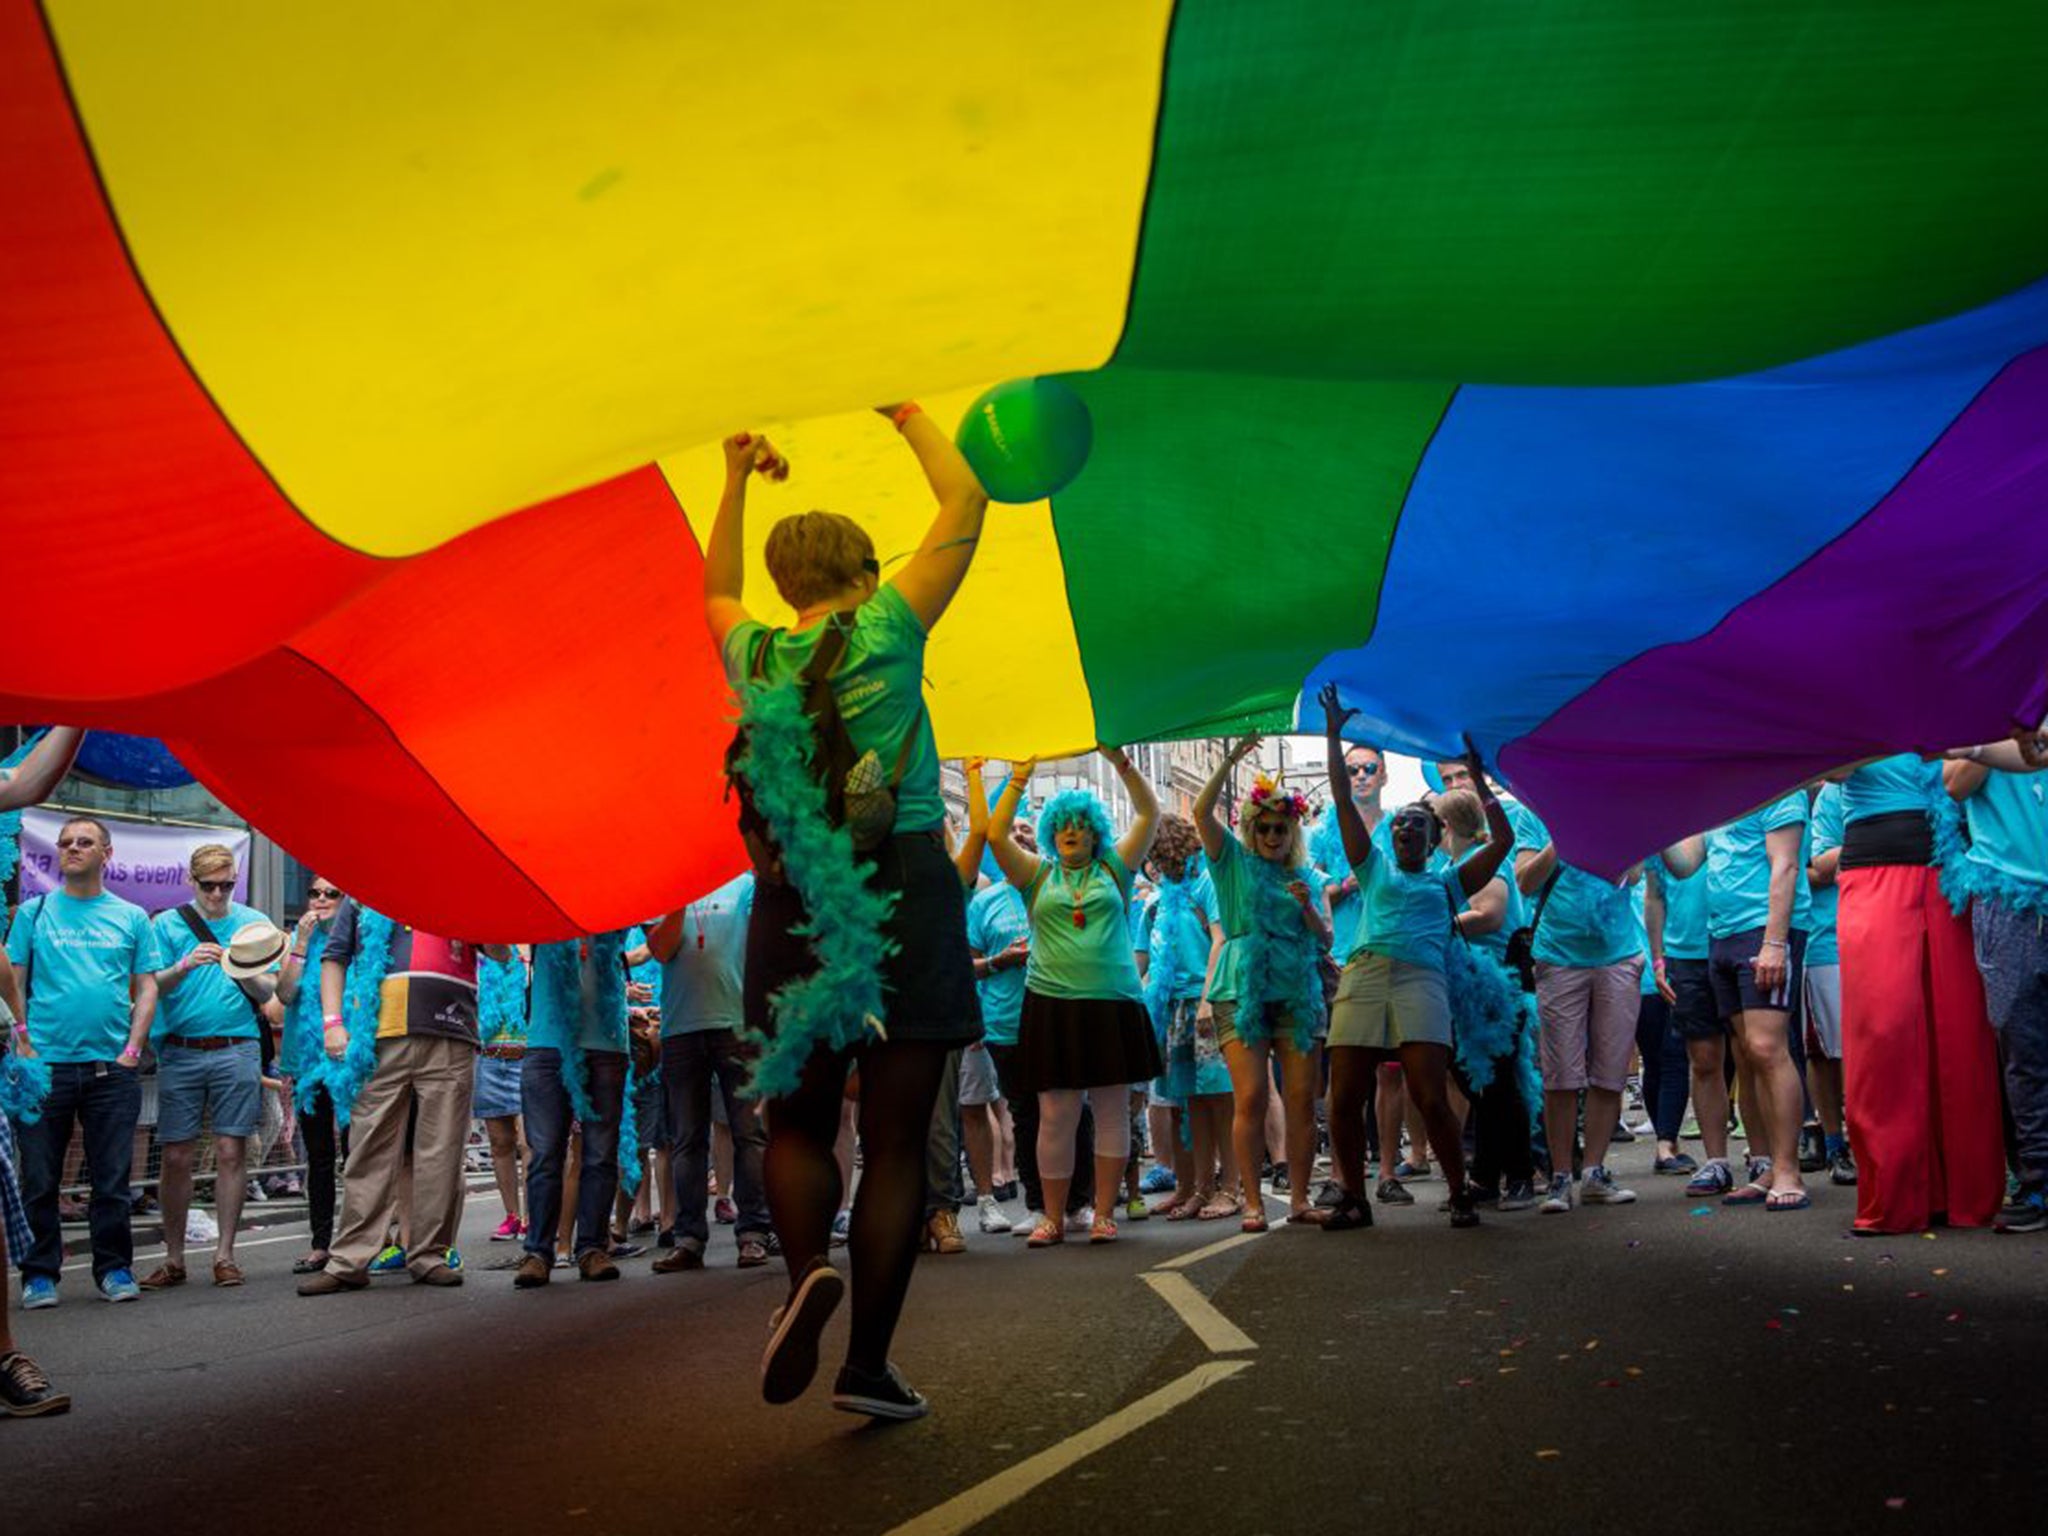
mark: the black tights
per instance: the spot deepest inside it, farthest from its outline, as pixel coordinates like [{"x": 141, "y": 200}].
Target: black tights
[
  {"x": 899, "y": 1084},
  {"x": 316, "y": 1133}
]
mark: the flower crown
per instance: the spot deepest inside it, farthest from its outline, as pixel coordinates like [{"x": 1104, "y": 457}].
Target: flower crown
[{"x": 1270, "y": 795}]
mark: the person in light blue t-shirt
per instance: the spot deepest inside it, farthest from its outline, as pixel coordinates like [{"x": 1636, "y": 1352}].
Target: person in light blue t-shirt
[
  {"x": 2004, "y": 796},
  {"x": 1393, "y": 999},
  {"x": 1589, "y": 962},
  {"x": 209, "y": 1058},
  {"x": 1757, "y": 899},
  {"x": 1823, "y": 981},
  {"x": 702, "y": 948},
  {"x": 86, "y": 961}
]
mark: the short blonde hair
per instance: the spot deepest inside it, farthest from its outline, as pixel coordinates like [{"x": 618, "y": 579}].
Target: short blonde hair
[
  {"x": 1461, "y": 812},
  {"x": 209, "y": 857},
  {"x": 812, "y": 555}
]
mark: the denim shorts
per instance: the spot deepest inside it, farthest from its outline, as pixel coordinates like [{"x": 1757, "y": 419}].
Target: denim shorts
[
  {"x": 189, "y": 1082},
  {"x": 495, "y": 1095}
]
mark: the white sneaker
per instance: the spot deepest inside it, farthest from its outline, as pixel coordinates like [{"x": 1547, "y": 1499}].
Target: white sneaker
[
  {"x": 1082, "y": 1219},
  {"x": 1559, "y": 1200},
  {"x": 1028, "y": 1225},
  {"x": 992, "y": 1217},
  {"x": 1602, "y": 1190}
]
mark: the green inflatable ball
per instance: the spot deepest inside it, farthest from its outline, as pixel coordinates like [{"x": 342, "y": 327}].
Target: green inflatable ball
[{"x": 1026, "y": 439}]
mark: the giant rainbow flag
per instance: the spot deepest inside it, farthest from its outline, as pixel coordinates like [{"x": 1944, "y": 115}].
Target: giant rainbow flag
[{"x": 1656, "y": 392}]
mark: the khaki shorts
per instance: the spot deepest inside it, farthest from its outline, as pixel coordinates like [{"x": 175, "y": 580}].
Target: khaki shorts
[
  {"x": 1383, "y": 1004},
  {"x": 1226, "y": 1027}
]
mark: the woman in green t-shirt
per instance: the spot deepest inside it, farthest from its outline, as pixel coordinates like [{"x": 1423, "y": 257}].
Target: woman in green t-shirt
[
  {"x": 824, "y": 567},
  {"x": 1084, "y": 1033}
]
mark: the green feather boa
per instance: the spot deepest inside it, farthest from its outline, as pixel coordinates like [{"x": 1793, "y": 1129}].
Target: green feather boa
[{"x": 838, "y": 1003}]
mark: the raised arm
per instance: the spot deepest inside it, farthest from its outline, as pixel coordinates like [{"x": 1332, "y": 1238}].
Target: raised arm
[
  {"x": 35, "y": 777},
  {"x": 931, "y": 576},
  {"x": 725, "y": 552},
  {"x": 1214, "y": 834},
  {"x": 1476, "y": 871},
  {"x": 1137, "y": 839},
  {"x": 1018, "y": 867},
  {"x": 967, "y": 858},
  {"x": 1350, "y": 825}
]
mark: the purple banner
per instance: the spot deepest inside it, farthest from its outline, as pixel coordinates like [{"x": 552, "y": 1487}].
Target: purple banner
[{"x": 148, "y": 864}]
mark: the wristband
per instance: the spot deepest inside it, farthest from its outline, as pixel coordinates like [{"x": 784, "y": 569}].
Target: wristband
[
  {"x": 332, "y": 1021},
  {"x": 1776, "y": 943},
  {"x": 904, "y": 412},
  {"x": 127, "y": 1051}
]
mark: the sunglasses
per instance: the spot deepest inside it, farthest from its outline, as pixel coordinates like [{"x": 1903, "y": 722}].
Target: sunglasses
[
  {"x": 214, "y": 887},
  {"x": 1272, "y": 829},
  {"x": 78, "y": 842},
  {"x": 1364, "y": 770},
  {"x": 322, "y": 893}
]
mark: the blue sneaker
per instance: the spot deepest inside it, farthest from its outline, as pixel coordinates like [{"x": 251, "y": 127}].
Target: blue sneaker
[
  {"x": 1157, "y": 1180},
  {"x": 453, "y": 1261},
  {"x": 119, "y": 1285},
  {"x": 38, "y": 1292},
  {"x": 2027, "y": 1211},
  {"x": 390, "y": 1262},
  {"x": 1714, "y": 1178}
]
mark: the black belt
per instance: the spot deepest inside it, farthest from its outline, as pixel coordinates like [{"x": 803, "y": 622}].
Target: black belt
[{"x": 210, "y": 1042}]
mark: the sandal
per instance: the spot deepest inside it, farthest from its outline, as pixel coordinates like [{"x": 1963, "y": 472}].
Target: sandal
[
  {"x": 1102, "y": 1230},
  {"x": 1351, "y": 1214},
  {"x": 1189, "y": 1209},
  {"x": 1304, "y": 1216},
  {"x": 1220, "y": 1207},
  {"x": 1254, "y": 1221},
  {"x": 1047, "y": 1234},
  {"x": 1788, "y": 1200},
  {"x": 1751, "y": 1193},
  {"x": 226, "y": 1272}
]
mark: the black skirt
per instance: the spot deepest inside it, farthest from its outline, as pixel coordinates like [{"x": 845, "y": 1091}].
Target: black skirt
[
  {"x": 928, "y": 991},
  {"x": 1084, "y": 1042}
]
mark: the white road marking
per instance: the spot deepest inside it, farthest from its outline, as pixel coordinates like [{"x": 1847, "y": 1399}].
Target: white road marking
[
  {"x": 240, "y": 1244},
  {"x": 1195, "y": 1256},
  {"x": 1219, "y": 1335},
  {"x": 968, "y": 1509}
]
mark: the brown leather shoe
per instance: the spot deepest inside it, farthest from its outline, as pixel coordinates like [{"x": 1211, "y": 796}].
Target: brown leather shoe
[
  {"x": 328, "y": 1283},
  {"x": 440, "y": 1274},
  {"x": 164, "y": 1277},
  {"x": 226, "y": 1272},
  {"x": 678, "y": 1259},
  {"x": 533, "y": 1270},
  {"x": 597, "y": 1265}
]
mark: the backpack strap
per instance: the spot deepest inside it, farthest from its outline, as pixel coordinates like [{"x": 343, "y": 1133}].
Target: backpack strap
[
  {"x": 1543, "y": 900},
  {"x": 248, "y": 989}
]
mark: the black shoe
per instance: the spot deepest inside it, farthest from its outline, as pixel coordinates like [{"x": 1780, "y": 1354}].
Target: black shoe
[
  {"x": 666, "y": 1238},
  {"x": 887, "y": 1396},
  {"x": 1394, "y": 1192},
  {"x": 1330, "y": 1196},
  {"x": 1813, "y": 1151},
  {"x": 25, "y": 1392},
  {"x": 791, "y": 1359},
  {"x": 2026, "y": 1211},
  {"x": 1279, "y": 1179},
  {"x": 1843, "y": 1169},
  {"x": 1349, "y": 1216},
  {"x": 1008, "y": 1190},
  {"x": 1464, "y": 1212}
]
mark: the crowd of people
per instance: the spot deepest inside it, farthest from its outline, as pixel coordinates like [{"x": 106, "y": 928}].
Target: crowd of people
[{"x": 1171, "y": 1018}]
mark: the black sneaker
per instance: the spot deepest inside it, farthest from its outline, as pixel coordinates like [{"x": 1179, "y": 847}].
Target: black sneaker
[
  {"x": 1843, "y": 1169},
  {"x": 1330, "y": 1196},
  {"x": 25, "y": 1392},
  {"x": 1280, "y": 1182},
  {"x": 2027, "y": 1211},
  {"x": 887, "y": 1396},
  {"x": 791, "y": 1359},
  {"x": 1813, "y": 1150},
  {"x": 1393, "y": 1192},
  {"x": 1464, "y": 1211}
]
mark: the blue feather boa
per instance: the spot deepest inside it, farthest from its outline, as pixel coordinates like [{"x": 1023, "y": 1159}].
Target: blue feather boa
[
  {"x": 838, "y": 1003},
  {"x": 10, "y": 821},
  {"x": 303, "y": 1049},
  {"x": 1963, "y": 879},
  {"x": 1162, "y": 970},
  {"x": 24, "y": 1084},
  {"x": 1280, "y": 976},
  {"x": 362, "y": 1002},
  {"x": 558, "y": 968},
  {"x": 1490, "y": 1012},
  {"x": 500, "y": 1000}
]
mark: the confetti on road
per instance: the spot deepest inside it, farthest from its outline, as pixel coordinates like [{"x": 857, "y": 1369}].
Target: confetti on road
[
  {"x": 1548, "y": 1455},
  {"x": 1895, "y": 1503},
  {"x": 1702, "y": 1210},
  {"x": 1916, "y": 1295}
]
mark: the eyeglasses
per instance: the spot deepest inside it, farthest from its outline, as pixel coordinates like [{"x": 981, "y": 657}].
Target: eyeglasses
[
  {"x": 78, "y": 842},
  {"x": 322, "y": 893},
  {"x": 214, "y": 887}
]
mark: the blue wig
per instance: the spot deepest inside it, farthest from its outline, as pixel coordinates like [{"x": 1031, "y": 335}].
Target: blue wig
[{"x": 1075, "y": 805}]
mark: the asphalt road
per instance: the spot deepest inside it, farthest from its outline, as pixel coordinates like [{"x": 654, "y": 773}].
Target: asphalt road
[{"x": 1665, "y": 1366}]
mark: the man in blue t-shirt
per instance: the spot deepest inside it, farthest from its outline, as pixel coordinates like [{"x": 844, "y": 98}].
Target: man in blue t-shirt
[
  {"x": 2004, "y": 796},
  {"x": 87, "y": 961},
  {"x": 703, "y": 950},
  {"x": 208, "y": 1056}
]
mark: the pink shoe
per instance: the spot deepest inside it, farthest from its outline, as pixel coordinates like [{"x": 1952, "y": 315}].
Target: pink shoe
[{"x": 510, "y": 1230}]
